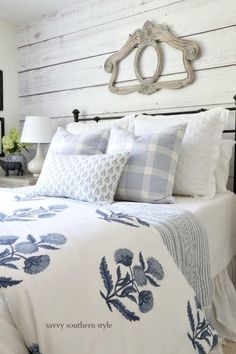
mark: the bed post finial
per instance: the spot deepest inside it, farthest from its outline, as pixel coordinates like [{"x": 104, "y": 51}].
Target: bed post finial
[{"x": 76, "y": 113}]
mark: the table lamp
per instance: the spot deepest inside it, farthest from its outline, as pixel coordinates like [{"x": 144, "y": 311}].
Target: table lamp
[{"x": 37, "y": 130}]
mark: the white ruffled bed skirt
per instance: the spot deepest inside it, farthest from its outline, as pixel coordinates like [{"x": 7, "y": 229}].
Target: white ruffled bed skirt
[{"x": 223, "y": 312}]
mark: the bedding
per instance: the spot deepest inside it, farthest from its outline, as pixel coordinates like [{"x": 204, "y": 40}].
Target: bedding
[
  {"x": 195, "y": 170},
  {"x": 182, "y": 234},
  {"x": 218, "y": 218},
  {"x": 92, "y": 178},
  {"x": 76, "y": 278},
  {"x": 150, "y": 171}
]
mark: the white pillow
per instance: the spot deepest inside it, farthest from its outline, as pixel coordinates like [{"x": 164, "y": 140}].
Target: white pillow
[
  {"x": 92, "y": 178},
  {"x": 126, "y": 123},
  {"x": 200, "y": 148},
  {"x": 223, "y": 165}
]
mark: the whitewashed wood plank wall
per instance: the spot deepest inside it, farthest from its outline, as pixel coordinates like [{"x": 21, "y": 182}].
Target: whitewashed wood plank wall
[{"x": 61, "y": 57}]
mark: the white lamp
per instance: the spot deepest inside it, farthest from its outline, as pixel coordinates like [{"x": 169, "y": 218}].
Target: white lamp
[{"x": 37, "y": 130}]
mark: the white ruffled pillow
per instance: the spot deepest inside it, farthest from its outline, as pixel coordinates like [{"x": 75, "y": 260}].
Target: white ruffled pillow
[
  {"x": 200, "y": 148},
  {"x": 92, "y": 178},
  {"x": 223, "y": 165},
  {"x": 126, "y": 123}
]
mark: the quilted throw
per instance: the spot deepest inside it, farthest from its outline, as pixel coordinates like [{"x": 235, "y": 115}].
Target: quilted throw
[
  {"x": 183, "y": 234},
  {"x": 73, "y": 280}
]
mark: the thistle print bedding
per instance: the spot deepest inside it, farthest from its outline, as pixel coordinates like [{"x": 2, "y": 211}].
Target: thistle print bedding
[{"x": 74, "y": 279}]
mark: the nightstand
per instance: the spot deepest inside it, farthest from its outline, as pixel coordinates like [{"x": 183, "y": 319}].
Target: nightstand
[{"x": 17, "y": 181}]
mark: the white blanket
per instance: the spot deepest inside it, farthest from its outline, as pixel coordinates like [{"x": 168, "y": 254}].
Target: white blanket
[{"x": 73, "y": 283}]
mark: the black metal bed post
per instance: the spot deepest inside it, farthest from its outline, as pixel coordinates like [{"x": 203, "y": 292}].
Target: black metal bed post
[
  {"x": 2, "y": 133},
  {"x": 76, "y": 113},
  {"x": 234, "y": 145}
]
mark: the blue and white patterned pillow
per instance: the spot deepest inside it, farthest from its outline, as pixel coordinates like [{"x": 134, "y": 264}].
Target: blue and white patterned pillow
[
  {"x": 150, "y": 170},
  {"x": 82, "y": 177},
  {"x": 93, "y": 143}
]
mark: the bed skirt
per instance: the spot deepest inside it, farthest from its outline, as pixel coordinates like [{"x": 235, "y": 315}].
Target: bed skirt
[{"x": 223, "y": 312}]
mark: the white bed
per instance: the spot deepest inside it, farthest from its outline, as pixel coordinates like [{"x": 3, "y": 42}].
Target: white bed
[
  {"x": 88, "y": 239},
  {"x": 191, "y": 227},
  {"x": 218, "y": 216}
]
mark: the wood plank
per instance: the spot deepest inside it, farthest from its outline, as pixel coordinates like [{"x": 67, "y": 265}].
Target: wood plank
[
  {"x": 90, "y": 72},
  {"x": 215, "y": 86},
  {"x": 112, "y": 36},
  {"x": 82, "y": 16}
]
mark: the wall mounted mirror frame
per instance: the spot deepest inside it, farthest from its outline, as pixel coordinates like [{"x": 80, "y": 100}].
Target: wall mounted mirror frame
[{"x": 151, "y": 35}]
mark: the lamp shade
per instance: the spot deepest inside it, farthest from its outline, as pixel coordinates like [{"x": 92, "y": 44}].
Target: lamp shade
[{"x": 37, "y": 130}]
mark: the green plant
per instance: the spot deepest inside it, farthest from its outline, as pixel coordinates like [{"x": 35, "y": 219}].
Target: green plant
[{"x": 11, "y": 143}]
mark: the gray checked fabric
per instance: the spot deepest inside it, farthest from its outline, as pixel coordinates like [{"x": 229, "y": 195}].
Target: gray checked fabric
[
  {"x": 183, "y": 234},
  {"x": 88, "y": 178},
  {"x": 149, "y": 174},
  {"x": 93, "y": 143}
]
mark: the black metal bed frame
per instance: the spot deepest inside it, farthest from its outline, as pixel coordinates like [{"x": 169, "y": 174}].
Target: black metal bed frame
[
  {"x": 76, "y": 113},
  {"x": 2, "y": 133}
]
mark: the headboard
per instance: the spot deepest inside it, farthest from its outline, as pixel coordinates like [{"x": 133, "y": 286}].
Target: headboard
[{"x": 76, "y": 114}]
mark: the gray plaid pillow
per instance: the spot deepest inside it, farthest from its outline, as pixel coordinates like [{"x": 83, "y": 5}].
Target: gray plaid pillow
[
  {"x": 94, "y": 143},
  {"x": 149, "y": 173}
]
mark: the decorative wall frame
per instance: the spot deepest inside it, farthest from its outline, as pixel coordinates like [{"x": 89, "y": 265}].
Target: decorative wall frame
[
  {"x": 1, "y": 91},
  {"x": 151, "y": 35}
]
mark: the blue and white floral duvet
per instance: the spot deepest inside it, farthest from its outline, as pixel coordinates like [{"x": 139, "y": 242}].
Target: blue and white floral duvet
[{"x": 73, "y": 282}]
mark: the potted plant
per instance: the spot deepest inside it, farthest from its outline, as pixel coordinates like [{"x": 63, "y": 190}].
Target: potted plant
[{"x": 12, "y": 147}]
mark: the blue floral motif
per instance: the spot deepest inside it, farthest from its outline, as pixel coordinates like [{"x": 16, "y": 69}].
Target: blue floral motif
[
  {"x": 54, "y": 239},
  {"x": 139, "y": 276},
  {"x": 36, "y": 264},
  {"x": 34, "y": 349},
  {"x": 127, "y": 285},
  {"x": 124, "y": 256},
  {"x": 27, "y": 197},
  {"x": 155, "y": 268},
  {"x": 8, "y": 240},
  {"x": 145, "y": 301},
  {"x": 121, "y": 218},
  {"x": 26, "y": 247},
  {"x": 202, "y": 333},
  {"x": 7, "y": 282},
  {"x": 15, "y": 252},
  {"x": 31, "y": 214}
]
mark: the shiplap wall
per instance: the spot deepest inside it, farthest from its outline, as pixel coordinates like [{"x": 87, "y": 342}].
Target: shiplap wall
[
  {"x": 8, "y": 64},
  {"x": 61, "y": 57}
]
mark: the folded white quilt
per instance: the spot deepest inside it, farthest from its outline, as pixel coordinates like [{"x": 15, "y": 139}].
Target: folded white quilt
[{"x": 72, "y": 282}]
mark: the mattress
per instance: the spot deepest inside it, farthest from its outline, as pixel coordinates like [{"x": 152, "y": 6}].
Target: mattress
[
  {"x": 63, "y": 247},
  {"x": 218, "y": 216}
]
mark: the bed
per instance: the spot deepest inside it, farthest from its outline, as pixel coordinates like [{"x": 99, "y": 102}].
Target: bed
[{"x": 81, "y": 277}]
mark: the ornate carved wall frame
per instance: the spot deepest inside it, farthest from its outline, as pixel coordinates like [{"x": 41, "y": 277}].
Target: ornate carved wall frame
[{"x": 151, "y": 35}]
